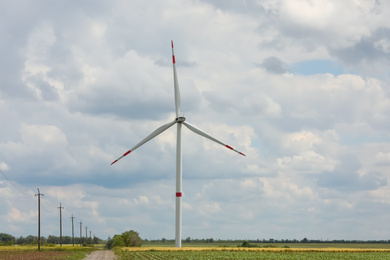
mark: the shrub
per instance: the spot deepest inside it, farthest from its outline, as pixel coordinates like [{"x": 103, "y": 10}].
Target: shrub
[
  {"x": 247, "y": 244},
  {"x": 127, "y": 239}
]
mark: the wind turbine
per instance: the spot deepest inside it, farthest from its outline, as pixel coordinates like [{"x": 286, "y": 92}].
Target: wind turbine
[{"x": 179, "y": 120}]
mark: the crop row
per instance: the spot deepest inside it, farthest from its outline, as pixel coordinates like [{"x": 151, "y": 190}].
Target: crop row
[{"x": 153, "y": 254}]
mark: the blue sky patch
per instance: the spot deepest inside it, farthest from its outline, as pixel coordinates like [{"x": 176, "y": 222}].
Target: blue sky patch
[
  {"x": 312, "y": 67},
  {"x": 363, "y": 138}
]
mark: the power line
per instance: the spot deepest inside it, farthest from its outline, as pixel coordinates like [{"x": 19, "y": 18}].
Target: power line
[
  {"x": 4, "y": 175},
  {"x": 50, "y": 206},
  {"x": 18, "y": 187}
]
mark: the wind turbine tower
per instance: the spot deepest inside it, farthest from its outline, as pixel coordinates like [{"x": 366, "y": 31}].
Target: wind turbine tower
[{"x": 179, "y": 120}]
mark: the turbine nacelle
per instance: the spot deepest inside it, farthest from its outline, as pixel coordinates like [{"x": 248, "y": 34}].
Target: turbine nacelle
[{"x": 180, "y": 119}]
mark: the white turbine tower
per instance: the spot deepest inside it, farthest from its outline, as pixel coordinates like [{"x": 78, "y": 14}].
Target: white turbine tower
[{"x": 179, "y": 120}]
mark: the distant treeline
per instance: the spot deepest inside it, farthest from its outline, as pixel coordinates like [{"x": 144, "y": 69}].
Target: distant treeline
[
  {"x": 305, "y": 240},
  {"x": 7, "y": 239},
  {"x": 270, "y": 241}
]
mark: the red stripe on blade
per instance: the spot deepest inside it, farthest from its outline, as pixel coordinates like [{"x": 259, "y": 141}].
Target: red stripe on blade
[
  {"x": 242, "y": 154},
  {"x": 173, "y": 58},
  {"x": 172, "y": 43},
  {"x": 114, "y": 162},
  {"x": 178, "y": 194},
  {"x": 126, "y": 153},
  {"x": 229, "y": 147}
]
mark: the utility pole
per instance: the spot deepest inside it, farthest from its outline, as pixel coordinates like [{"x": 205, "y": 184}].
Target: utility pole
[
  {"x": 72, "y": 230},
  {"x": 86, "y": 234},
  {"x": 60, "y": 224},
  {"x": 90, "y": 238},
  {"x": 39, "y": 219},
  {"x": 81, "y": 223}
]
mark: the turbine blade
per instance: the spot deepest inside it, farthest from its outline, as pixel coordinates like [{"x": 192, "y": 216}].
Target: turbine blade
[
  {"x": 204, "y": 134},
  {"x": 176, "y": 84},
  {"x": 148, "y": 138}
]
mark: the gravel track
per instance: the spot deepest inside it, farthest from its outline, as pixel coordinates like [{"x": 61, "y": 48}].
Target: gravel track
[{"x": 101, "y": 255}]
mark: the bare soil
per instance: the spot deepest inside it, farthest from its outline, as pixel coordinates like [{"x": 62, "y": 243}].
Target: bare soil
[{"x": 21, "y": 255}]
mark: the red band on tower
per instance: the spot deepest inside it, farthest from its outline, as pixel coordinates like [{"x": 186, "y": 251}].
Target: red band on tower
[{"x": 178, "y": 194}]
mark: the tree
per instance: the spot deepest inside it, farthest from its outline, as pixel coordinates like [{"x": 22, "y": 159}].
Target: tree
[
  {"x": 66, "y": 240},
  {"x": 53, "y": 239},
  {"x": 117, "y": 240},
  {"x": 110, "y": 243},
  {"x": 127, "y": 239},
  {"x": 20, "y": 240},
  {"x": 95, "y": 240},
  {"x": 6, "y": 239},
  {"x": 209, "y": 240},
  {"x": 32, "y": 240},
  {"x": 131, "y": 238}
]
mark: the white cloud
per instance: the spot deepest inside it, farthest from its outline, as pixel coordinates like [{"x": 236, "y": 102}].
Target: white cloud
[
  {"x": 83, "y": 84},
  {"x": 307, "y": 162},
  {"x": 43, "y": 136},
  {"x": 382, "y": 158},
  {"x": 4, "y": 166},
  {"x": 15, "y": 215},
  {"x": 141, "y": 200},
  {"x": 208, "y": 208},
  {"x": 36, "y": 70}
]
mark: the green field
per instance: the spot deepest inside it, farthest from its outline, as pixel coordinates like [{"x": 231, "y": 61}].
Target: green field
[
  {"x": 209, "y": 251},
  {"x": 276, "y": 245},
  {"x": 252, "y": 255},
  {"x": 262, "y": 251}
]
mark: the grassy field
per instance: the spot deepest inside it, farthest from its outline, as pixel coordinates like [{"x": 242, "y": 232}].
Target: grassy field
[{"x": 47, "y": 252}]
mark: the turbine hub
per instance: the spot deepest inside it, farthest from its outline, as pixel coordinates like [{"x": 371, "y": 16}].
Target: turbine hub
[{"x": 180, "y": 119}]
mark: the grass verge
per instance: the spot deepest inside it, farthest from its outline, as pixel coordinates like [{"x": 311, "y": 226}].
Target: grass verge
[{"x": 47, "y": 252}]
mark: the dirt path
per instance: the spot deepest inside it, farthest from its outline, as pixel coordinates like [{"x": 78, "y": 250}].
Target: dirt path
[{"x": 101, "y": 255}]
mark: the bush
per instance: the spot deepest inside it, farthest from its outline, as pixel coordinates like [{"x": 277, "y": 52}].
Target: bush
[
  {"x": 247, "y": 244},
  {"x": 10, "y": 243},
  {"x": 270, "y": 246},
  {"x": 110, "y": 243},
  {"x": 126, "y": 239},
  {"x": 131, "y": 238}
]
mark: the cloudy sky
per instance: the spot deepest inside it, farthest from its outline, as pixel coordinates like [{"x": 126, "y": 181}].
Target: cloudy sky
[{"x": 300, "y": 86}]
